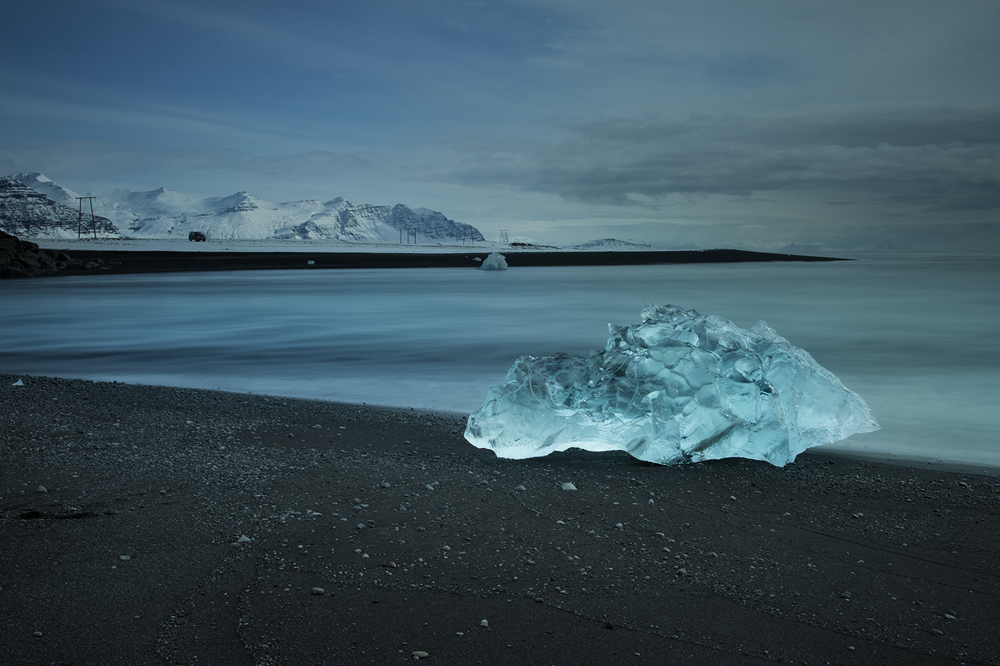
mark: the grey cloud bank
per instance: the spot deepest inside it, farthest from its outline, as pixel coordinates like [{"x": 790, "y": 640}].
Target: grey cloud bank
[
  {"x": 942, "y": 160},
  {"x": 705, "y": 122}
]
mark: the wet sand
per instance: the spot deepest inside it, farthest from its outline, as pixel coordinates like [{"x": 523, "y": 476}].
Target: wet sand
[{"x": 373, "y": 533}]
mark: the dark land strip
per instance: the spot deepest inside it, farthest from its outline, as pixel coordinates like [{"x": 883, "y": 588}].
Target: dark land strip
[{"x": 127, "y": 261}]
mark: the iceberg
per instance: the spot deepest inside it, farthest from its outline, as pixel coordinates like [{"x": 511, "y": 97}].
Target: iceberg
[
  {"x": 680, "y": 387},
  {"x": 494, "y": 262}
]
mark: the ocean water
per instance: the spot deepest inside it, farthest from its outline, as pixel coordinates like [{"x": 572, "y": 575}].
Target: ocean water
[{"x": 915, "y": 334}]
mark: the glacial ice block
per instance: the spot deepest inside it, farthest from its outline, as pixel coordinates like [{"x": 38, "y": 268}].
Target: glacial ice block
[
  {"x": 494, "y": 262},
  {"x": 679, "y": 387}
]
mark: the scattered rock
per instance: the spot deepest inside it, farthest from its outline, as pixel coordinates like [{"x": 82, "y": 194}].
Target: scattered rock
[
  {"x": 568, "y": 486},
  {"x": 41, "y": 489},
  {"x": 420, "y": 654},
  {"x": 318, "y": 591},
  {"x": 484, "y": 623},
  {"x": 20, "y": 258}
]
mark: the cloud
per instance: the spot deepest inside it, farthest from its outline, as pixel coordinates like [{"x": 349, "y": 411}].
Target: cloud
[
  {"x": 939, "y": 159},
  {"x": 92, "y": 159},
  {"x": 235, "y": 24}
]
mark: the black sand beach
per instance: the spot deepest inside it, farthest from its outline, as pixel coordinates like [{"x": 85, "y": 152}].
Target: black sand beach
[
  {"x": 373, "y": 534},
  {"x": 140, "y": 261}
]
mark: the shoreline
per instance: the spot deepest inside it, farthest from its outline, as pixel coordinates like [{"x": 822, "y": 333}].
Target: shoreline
[
  {"x": 163, "y": 261},
  {"x": 412, "y": 537},
  {"x": 915, "y": 462}
]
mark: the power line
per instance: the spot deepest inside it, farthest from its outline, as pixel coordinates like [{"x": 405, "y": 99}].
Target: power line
[{"x": 79, "y": 220}]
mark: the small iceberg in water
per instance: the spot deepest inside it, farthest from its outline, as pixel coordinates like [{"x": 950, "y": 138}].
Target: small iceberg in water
[{"x": 494, "y": 262}]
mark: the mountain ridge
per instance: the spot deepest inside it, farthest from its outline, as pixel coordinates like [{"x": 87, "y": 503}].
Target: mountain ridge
[
  {"x": 163, "y": 213},
  {"x": 27, "y": 213}
]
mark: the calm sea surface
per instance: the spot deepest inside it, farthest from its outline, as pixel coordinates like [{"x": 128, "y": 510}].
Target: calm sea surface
[{"x": 917, "y": 335}]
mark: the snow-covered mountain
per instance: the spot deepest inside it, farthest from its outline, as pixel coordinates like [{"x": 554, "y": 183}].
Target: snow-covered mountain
[
  {"x": 163, "y": 213},
  {"x": 49, "y": 188},
  {"x": 27, "y": 213},
  {"x": 799, "y": 248},
  {"x": 611, "y": 244}
]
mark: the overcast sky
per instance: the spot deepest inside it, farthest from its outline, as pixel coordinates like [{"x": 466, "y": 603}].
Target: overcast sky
[{"x": 560, "y": 121}]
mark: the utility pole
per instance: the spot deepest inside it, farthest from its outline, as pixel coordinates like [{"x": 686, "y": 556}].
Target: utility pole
[{"x": 79, "y": 220}]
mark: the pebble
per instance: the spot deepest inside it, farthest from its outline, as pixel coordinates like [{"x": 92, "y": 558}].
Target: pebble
[
  {"x": 428, "y": 486},
  {"x": 420, "y": 654},
  {"x": 520, "y": 488},
  {"x": 243, "y": 539},
  {"x": 568, "y": 486},
  {"x": 41, "y": 489},
  {"x": 37, "y": 634},
  {"x": 124, "y": 558},
  {"x": 318, "y": 590},
  {"x": 484, "y": 623}
]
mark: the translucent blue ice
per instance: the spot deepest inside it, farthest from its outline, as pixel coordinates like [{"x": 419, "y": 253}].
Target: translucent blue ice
[
  {"x": 679, "y": 387},
  {"x": 494, "y": 262}
]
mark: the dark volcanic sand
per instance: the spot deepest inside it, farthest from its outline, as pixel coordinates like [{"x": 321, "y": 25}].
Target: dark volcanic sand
[
  {"x": 129, "y": 261},
  {"x": 734, "y": 562}
]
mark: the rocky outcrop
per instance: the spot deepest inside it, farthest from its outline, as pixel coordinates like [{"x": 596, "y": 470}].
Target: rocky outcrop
[
  {"x": 20, "y": 258},
  {"x": 31, "y": 214}
]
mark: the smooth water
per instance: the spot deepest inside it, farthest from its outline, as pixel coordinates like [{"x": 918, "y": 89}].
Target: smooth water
[{"x": 916, "y": 335}]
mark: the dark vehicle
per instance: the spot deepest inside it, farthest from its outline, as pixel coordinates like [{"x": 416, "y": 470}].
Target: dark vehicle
[{"x": 197, "y": 236}]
